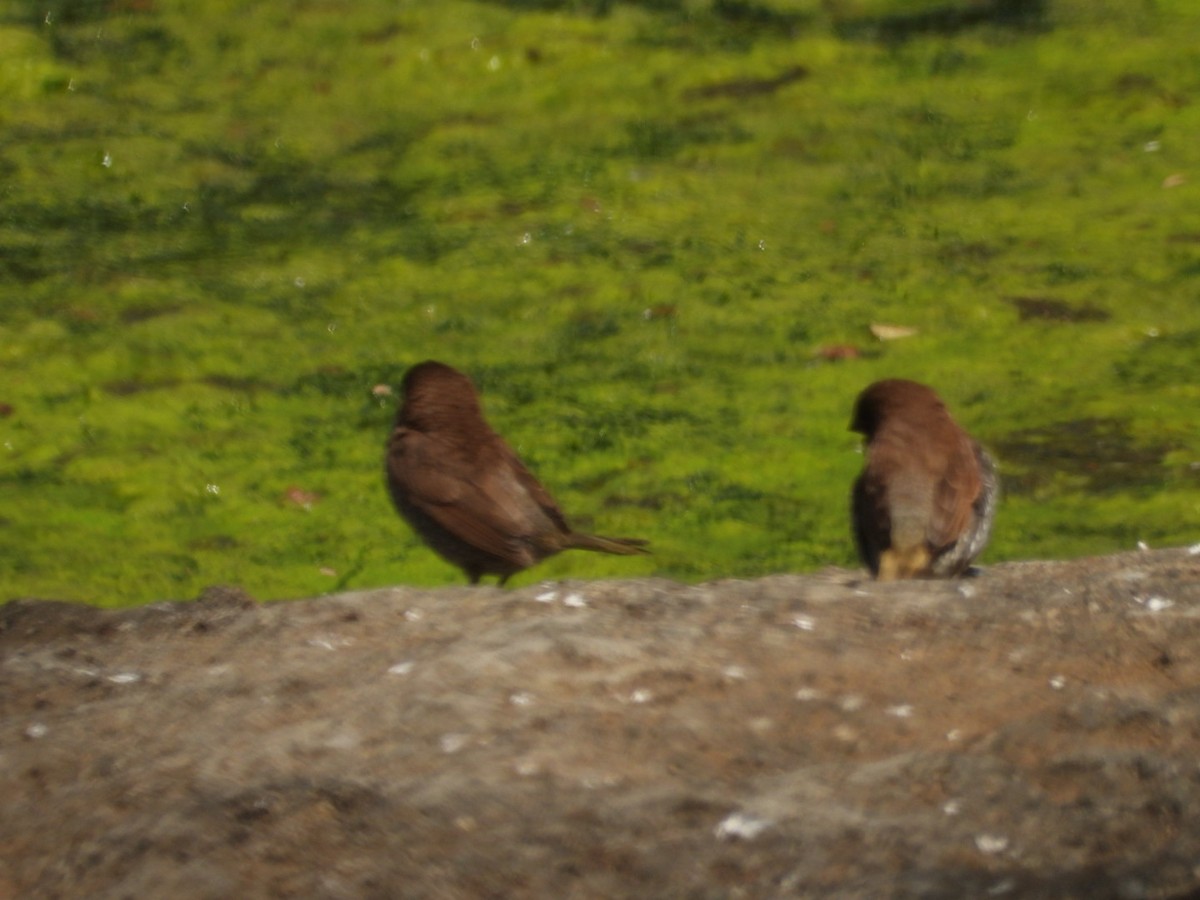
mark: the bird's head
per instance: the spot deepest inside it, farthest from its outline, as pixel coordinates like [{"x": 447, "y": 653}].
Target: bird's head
[
  {"x": 885, "y": 398},
  {"x": 434, "y": 394}
]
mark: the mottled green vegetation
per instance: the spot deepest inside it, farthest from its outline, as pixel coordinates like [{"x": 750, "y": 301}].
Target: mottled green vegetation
[{"x": 637, "y": 225}]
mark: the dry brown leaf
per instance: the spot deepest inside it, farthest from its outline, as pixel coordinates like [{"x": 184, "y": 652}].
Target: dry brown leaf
[{"x": 891, "y": 332}]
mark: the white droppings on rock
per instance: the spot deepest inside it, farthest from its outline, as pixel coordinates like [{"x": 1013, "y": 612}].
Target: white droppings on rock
[
  {"x": 1194, "y": 550},
  {"x": 808, "y": 694},
  {"x": 900, "y": 710},
  {"x": 413, "y": 615},
  {"x": 852, "y": 703},
  {"x": 124, "y": 677},
  {"x": 574, "y": 600},
  {"x": 991, "y": 843},
  {"x": 36, "y": 730},
  {"x": 521, "y": 698},
  {"x": 453, "y": 742},
  {"x": 546, "y": 597},
  {"x": 401, "y": 668},
  {"x": 641, "y": 695},
  {"x": 952, "y": 807},
  {"x": 1058, "y": 682},
  {"x": 1158, "y": 604},
  {"x": 741, "y": 826},
  {"x": 804, "y": 623},
  {"x": 734, "y": 673}
]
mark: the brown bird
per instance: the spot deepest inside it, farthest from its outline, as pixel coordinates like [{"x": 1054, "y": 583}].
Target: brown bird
[
  {"x": 924, "y": 503},
  {"x": 465, "y": 491}
]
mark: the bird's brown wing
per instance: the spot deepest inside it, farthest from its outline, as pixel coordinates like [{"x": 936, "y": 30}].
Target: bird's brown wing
[
  {"x": 979, "y": 529},
  {"x": 527, "y": 484},
  {"x": 955, "y": 495},
  {"x": 471, "y": 501},
  {"x": 869, "y": 515}
]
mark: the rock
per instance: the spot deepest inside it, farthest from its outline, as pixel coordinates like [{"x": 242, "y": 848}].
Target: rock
[{"x": 1030, "y": 732}]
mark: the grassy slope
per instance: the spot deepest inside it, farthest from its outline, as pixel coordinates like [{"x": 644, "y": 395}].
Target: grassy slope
[{"x": 222, "y": 224}]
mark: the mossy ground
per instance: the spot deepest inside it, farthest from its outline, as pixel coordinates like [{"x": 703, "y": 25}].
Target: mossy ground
[{"x": 636, "y": 225}]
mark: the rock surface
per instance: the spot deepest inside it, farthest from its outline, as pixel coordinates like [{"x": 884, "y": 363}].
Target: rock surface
[{"x": 1031, "y": 732}]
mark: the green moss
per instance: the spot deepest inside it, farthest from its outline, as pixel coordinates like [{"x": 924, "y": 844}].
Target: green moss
[{"x": 636, "y": 225}]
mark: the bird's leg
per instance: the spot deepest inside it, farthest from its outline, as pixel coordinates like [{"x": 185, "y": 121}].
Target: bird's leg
[{"x": 904, "y": 562}]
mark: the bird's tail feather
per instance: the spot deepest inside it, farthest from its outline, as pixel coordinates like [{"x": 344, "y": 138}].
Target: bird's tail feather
[{"x": 619, "y": 546}]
